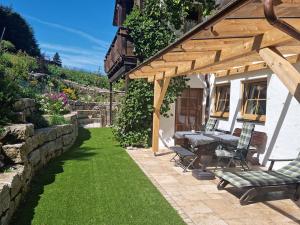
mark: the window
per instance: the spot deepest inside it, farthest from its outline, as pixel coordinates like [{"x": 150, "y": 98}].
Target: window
[
  {"x": 254, "y": 100},
  {"x": 222, "y": 100}
]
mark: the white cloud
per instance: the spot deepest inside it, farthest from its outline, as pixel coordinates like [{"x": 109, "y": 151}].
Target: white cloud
[
  {"x": 71, "y": 49},
  {"x": 76, "y": 57},
  {"x": 81, "y": 33}
]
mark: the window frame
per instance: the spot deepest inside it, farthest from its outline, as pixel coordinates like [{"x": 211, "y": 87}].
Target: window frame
[
  {"x": 244, "y": 102},
  {"x": 221, "y": 114}
]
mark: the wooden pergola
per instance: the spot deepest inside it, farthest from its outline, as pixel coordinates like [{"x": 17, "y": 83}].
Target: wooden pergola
[{"x": 246, "y": 35}]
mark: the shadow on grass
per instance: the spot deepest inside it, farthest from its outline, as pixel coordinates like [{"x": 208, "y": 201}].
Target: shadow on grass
[{"x": 25, "y": 213}]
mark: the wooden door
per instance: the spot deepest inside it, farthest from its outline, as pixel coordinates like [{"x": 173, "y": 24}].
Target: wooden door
[{"x": 188, "y": 113}]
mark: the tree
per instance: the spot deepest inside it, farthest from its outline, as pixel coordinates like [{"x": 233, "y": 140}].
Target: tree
[
  {"x": 18, "y": 32},
  {"x": 56, "y": 60}
]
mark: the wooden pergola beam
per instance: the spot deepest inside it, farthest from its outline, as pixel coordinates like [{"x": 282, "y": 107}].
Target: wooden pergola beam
[
  {"x": 207, "y": 53},
  {"x": 160, "y": 89},
  {"x": 285, "y": 71},
  {"x": 251, "y": 67}
]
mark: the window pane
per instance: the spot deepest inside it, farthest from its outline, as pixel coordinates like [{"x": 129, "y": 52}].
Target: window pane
[
  {"x": 221, "y": 106},
  {"x": 224, "y": 99},
  {"x": 261, "y": 109},
  {"x": 253, "y": 92},
  {"x": 223, "y": 93},
  {"x": 263, "y": 90},
  {"x": 255, "y": 98},
  {"x": 251, "y": 107}
]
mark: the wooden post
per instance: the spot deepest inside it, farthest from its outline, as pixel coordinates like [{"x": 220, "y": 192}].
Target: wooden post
[
  {"x": 110, "y": 103},
  {"x": 160, "y": 89},
  {"x": 285, "y": 71}
]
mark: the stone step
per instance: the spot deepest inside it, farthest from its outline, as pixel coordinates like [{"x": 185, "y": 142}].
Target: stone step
[
  {"x": 89, "y": 121},
  {"x": 89, "y": 114},
  {"x": 92, "y": 125}
]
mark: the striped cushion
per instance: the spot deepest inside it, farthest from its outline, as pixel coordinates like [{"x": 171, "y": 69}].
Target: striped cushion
[
  {"x": 224, "y": 153},
  {"x": 257, "y": 178},
  {"x": 211, "y": 124},
  {"x": 246, "y": 135},
  {"x": 292, "y": 169}
]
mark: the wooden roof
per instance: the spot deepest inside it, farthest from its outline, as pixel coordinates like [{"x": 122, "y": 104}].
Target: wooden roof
[{"x": 228, "y": 43}]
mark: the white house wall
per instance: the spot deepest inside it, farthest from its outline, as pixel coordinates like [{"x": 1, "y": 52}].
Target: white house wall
[{"x": 282, "y": 124}]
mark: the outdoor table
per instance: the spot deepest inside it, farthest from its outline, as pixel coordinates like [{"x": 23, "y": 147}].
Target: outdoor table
[
  {"x": 197, "y": 139},
  {"x": 223, "y": 138},
  {"x": 203, "y": 138},
  {"x": 205, "y": 143},
  {"x": 183, "y": 134}
]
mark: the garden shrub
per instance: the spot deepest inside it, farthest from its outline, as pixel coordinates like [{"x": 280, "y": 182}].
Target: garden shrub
[
  {"x": 21, "y": 65},
  {"x": 8, "y": 94},
  {"x": 53, "y": 103},
  {"x": 57, "y": 119},
  {"x": 7, "y": 46},
  {"x": 80, "y": 77},
  {"x": 70, "y": 93},
  {"x": 134, "y": 120}
]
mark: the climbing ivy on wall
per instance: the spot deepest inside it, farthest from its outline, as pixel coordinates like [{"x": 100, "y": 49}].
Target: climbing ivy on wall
[{"x": 151, "y": 30}]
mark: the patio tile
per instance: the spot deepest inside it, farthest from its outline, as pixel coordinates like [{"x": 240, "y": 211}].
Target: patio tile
[
  {"x": 208, "y": 219},
  {"x": 199, "y": 201}
]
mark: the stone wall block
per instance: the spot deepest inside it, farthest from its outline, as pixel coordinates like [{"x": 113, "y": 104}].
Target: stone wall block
[
  {"x": 31, "y": 144},
  {"x": 45, "y": 151},
  {"x": 4, "y": 197},
  {"x": 68, "y": 139},
  {"x": 16, "y": 152},
  {"x": 5, "y": 219},
  {"x": 15, "y": 186},
  {"x": 23, "y": 104},
  {"x": 49, "y": 134},
  {"x": 40, "y": 136},
  {"x": 34, "y": 158},
  {"x": 58, "y": 144},
  {"x": 60, "y": 130},
  {"x": 18, "y": 132},
  {"x": 27, "y": 174}
]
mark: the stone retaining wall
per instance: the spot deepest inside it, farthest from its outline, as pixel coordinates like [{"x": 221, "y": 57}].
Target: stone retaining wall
[
  {"x": 79, "y": 105},
  {"x": 29, "y": 150},
  {"x": 23, "y": 108},
  {"x": 93, "y": 114}
]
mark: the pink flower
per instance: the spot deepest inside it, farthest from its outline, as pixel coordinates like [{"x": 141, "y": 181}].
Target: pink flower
[{"x": 58, "y": 96}]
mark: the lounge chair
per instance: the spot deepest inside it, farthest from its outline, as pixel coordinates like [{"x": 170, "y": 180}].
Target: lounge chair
[
  {"x": 240, "y": 152},
  {"x": 260, "y": 182}
]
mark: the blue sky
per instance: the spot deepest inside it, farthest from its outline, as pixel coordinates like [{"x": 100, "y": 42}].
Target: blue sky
[{"x": 80, "y": 31}]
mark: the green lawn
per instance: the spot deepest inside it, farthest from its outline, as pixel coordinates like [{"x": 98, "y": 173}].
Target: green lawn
[{"x": 94, "y": 183}]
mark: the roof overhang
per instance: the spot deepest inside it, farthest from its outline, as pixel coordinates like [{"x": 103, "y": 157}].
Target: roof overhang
[{"x": 227, "y": 43}]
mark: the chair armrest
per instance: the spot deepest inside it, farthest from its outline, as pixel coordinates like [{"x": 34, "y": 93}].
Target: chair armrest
[
  {"x": 223, "y": 131},
  {"x": 277, "y": 160}
]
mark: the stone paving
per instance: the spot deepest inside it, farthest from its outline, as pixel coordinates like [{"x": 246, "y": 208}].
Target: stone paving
[{"x": 199, "y": 202}]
